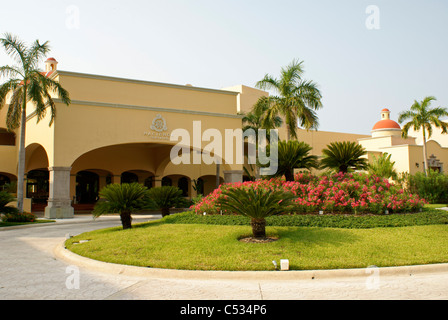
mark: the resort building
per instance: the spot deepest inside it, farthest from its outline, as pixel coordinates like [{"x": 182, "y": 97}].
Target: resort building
[{"x": 120, "y": 130}]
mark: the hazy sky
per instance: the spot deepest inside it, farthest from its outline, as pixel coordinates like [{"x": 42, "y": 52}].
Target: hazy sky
[{"x": 216, "y": 44}]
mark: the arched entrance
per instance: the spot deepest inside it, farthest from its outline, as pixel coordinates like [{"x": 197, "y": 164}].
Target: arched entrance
[
  {"x": 38, "y": 186},
  {"x": 87, "y": 187},
  {"x": 129, "y": 177},
  {"x": 4, "y": 182},
  {"x": 183, "y": 184}
]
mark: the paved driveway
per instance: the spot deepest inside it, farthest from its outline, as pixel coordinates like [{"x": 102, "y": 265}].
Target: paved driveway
[{"x": 30, "y": 270}]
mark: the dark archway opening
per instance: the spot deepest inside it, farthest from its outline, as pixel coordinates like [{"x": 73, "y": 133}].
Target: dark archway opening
[{"x": 87, "y": 187}]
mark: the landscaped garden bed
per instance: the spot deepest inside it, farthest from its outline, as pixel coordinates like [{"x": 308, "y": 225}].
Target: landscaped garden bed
[{"x": 330, "y": 222}]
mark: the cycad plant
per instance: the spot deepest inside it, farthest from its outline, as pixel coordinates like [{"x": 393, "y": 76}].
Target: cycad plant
[
  {"x": 344, "y": 156},
  {"x": 294, "y": 155},
  {"x": 257, "y": 204},
  {"x": 124, "y": 199},
  {"x": 26, "y": 84},
  {"x": 165, "y": 198}
]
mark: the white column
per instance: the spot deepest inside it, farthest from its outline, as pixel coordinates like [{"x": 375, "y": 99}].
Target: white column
[{"x": 59, "y": 202}]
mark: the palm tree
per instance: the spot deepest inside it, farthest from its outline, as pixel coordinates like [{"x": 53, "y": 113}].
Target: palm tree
[
  {"x": 257, "y": 204},
  {"x": 165, "y": 198},
  {"x": 27, "y": 84},
  {"x": 344, "y": 156},
  {"x": 256, "y": 120},
  {"x": 422, "y": 117},
  {"x": 296, "y": 99},
  {"x": 294, "y": 155},
  {"x": 124, "y": 199}
]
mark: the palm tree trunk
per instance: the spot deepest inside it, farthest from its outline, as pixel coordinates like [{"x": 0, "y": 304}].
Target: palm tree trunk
[
  {"x": 21, "y": 164},
  {"x": 258, "y": 228},
  {"x": 165, "y": 212},
  {"x": 289, "y": 175},
  {"x": 288, "y": 134},
  {"x": 425, "y": 156},
  {"x": 218, "y": 168},
  {"x": 126, "y": 219}
]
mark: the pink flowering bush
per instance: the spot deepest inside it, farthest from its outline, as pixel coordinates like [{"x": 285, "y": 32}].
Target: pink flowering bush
[{"x": 355, "y": 193}]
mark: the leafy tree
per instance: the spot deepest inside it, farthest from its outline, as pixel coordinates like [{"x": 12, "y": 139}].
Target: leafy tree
[
  {"x": 344, "y": 156},
  {"x": 383, "y": 166},
  {"x": 165, "y": 198},
  {"x": 27, "y": 85},
  {"x": 296, "y": 99},
  {"x": 422, "y": 117},
  {"x": 257, "y": 204},
  {"x": 124, "y": 199}
]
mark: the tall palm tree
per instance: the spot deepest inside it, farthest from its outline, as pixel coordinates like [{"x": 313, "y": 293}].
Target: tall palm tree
[
  {"x": 256, "y": 120},
  {"x": 296, "y": 99},
  {"x": 344, "y": 156},
  {"x": 26, "y": 84},
  {"x": 294, "y": 155},
  {"x": 422, "y": 117}
]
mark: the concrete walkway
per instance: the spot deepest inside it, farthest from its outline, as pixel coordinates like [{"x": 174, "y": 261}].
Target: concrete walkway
[{"x": 34, "y": 265}]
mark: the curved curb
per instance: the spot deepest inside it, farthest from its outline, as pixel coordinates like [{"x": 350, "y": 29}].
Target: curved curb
[{"x": 66, "y": 255}]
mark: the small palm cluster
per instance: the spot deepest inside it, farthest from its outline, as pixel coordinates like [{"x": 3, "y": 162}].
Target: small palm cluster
[
  {"x": 338, "y": 156},
  {"x": 128, "y": 198}
]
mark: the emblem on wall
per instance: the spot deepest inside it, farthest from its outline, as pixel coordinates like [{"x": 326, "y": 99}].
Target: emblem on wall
[{"x": 159, "y": 124}]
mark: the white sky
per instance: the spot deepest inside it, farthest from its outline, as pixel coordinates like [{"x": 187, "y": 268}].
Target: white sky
[{"x": 216, "y": 44}]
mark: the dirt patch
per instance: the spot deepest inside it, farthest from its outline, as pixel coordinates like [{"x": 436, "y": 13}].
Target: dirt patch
[{"x": 258, "y": 240}]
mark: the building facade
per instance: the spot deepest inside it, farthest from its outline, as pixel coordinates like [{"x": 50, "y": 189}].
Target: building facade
[{"x": 120, "y": 130}]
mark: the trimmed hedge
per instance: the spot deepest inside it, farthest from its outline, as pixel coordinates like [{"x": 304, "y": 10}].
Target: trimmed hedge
[{"x": 429, "y": 217}]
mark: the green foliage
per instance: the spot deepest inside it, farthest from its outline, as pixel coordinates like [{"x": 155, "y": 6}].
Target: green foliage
[
  {"x": 383, "y": 166},
  {"x": 294, "y": 155},
  {"x": 5, "y": 198},
  {"x": 427, "y": 217},
  {"x": 422, "y": 117},
  {"x": 19, "y": 217},
  {"x": 344, "y": 156},
  {"x": 165, "y": 198},
  {"x": 116, "y": 198},
  {"x": 296, "y": 99},
  {"x": 433, "y": 187},
  {"x": 256, "y": 203}
]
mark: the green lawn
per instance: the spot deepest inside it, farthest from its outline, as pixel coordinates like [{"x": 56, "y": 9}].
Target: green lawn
[
  {"x": 12, "y": 224},
  {"x": 216, "y": 247}
]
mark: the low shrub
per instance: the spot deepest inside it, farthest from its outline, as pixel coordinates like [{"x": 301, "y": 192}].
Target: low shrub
[
  {"x": 19, "y": 217},
  {"x": 353, "y": 193},
  {"x": 433, "y": 187},
  {"x": 430, "y": 217}
]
